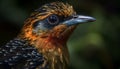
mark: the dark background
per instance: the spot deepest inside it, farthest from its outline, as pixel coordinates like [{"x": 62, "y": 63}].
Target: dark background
[{"x": 92, "y": 46}]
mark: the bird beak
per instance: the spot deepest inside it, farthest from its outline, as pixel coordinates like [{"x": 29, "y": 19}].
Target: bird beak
[{"x": 77, "y": 19}]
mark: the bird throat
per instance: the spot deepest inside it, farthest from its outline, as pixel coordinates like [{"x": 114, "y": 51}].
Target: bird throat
[{"x": 56, "y": 54}]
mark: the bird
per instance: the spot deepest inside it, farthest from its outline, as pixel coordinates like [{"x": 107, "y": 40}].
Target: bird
[{"x": 42, "y": 41}]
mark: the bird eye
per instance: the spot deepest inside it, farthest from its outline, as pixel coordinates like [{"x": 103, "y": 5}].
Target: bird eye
[{"x": 53, "y": 19}]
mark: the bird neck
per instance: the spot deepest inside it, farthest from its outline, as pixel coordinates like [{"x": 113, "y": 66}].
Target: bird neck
[
  {"x": 55, "y": 52},
  {"x": 53, "y": 49}
]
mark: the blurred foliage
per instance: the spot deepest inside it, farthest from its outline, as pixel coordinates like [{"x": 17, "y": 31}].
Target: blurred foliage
[{"x": 92, "y": 45}]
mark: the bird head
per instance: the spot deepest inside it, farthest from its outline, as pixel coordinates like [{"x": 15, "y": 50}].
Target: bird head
[
  {"x": 48, "y": 29},
  {"x": 53, "y": 21}
]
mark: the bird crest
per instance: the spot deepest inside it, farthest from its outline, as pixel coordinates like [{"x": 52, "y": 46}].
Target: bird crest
[{"x": 58, "y": 8}]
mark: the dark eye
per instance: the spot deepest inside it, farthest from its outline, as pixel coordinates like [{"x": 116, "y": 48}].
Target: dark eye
[{"x": 53, "y": 19}]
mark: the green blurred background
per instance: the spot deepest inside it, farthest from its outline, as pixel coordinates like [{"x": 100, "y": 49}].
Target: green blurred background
[{"x": 92, "y": 45}]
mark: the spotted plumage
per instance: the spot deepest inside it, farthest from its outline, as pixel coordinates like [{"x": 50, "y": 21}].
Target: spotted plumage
[
  {"x": 41, "y": 44},
  {"x": 19, "y": 54}
]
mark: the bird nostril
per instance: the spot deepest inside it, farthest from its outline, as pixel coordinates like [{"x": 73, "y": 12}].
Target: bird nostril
[{"x": 75, "y": 16}]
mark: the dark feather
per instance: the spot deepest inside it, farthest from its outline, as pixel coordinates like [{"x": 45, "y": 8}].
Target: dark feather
[{"x": 18, "y": 54}]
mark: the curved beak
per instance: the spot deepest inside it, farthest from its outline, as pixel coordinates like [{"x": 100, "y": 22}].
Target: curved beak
[{"x": 77, "y": 19}]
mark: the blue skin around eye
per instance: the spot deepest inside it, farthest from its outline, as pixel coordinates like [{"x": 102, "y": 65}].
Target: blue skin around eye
[
  {"x": 48, "y": 25},
  {"x": 44, "y": 25}
]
